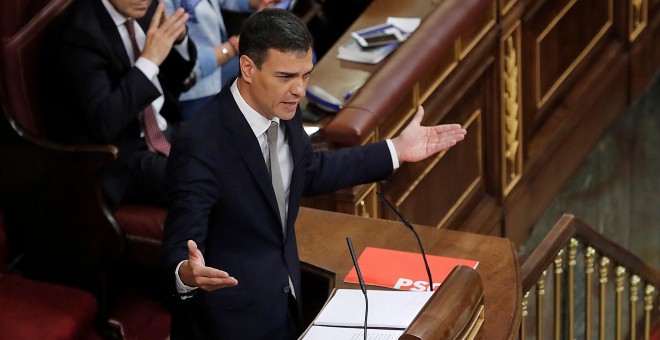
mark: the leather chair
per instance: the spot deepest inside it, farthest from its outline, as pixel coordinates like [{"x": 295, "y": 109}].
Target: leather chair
[
  {"x": 52, "y": 190},
  {"x": 41, "y": 310}
]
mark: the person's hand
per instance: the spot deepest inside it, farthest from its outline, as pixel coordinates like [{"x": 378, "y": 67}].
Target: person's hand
[
  {"x": 195, "y": 273},
  {"x": 163, "y": 32},
  {"x": 417, "y": 142}
]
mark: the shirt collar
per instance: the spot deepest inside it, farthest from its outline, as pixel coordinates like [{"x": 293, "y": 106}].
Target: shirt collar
[
  {"x": 117, "y": 17},
  {"x": 258, "y": 123}
]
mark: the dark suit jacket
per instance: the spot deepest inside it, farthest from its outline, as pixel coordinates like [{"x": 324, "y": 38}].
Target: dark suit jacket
[
  {"x": 92, "y": 93},
  {"x": 222, "y": 198}
]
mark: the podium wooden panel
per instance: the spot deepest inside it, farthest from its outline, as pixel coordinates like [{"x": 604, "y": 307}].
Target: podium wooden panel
[{"x": 321, "y": 243}]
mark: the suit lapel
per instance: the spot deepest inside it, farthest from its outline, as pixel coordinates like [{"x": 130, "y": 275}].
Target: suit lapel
[
  {"x": 110, "y": 32},
  {"x": 242, "y": 139}
]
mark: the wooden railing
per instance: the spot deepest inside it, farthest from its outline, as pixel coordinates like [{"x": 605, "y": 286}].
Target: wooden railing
[{"x": 579, "y": 284}]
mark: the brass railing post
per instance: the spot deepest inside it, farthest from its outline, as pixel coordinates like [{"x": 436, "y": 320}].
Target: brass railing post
[
  {"x": 648, "y": 307},
  {"x": 572, "y": 254},
  {"x": 525, "y": 313},
  {"x": 620, "y": 273},
  {"x": 558, "y": 271},
  {"x": 604, "y": 263},
  {"x": 540, "y": 294},
  {"x": 590, "y": 257},
  {"x": 634, "y": 290}
]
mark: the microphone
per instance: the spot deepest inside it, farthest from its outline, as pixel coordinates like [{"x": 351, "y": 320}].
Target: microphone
[
  {"x": 409, "y": 226},
  {"x": 362, "y": 285}
]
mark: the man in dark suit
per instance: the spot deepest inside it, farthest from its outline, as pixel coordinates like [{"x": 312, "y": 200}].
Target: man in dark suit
[
  {"x": 235, "y": 191},
  {"x": 110, "y": 68}
]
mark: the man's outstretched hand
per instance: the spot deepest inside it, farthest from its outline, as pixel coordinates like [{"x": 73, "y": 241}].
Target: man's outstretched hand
[
  {"x": 195, "y": 273},
  {"x": 417, "y": 142}
]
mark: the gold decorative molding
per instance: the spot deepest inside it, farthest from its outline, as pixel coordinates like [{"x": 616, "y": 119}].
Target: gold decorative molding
[
  {"x": 511, "y": 109},
  {"x": 366, "y": 204},
  {"x": 464, "y": 49},
  {"x": 542, "y": 98},
  {"x": 362, "y": 209},
  {"x": 637, "y": 18},
  {"x": 505, "y": 6}
]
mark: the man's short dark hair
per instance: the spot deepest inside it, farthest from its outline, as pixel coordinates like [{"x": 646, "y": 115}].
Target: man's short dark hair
[{"x": 273, "y": 28}]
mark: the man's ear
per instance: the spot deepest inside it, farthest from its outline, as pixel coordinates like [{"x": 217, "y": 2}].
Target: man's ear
[{"x": 247, "y": 68}]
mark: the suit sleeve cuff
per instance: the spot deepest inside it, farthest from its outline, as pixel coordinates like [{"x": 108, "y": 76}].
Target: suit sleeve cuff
[{"x": 395, "y": 157}]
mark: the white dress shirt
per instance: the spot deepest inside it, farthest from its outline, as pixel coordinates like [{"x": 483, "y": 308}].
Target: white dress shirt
[
  {"x": 260, "y": 125},
  {"x": 145, "y": 65}
]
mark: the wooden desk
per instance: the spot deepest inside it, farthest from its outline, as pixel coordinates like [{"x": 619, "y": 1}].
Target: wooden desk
[
  {"x": 337, "y": 76},
  {"x": 536, "y": 83},
  {"x": 322, "y": 242}
]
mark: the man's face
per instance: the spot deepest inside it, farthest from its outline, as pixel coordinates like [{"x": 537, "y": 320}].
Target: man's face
[
  {"x": 135, "y": 9},
  {"x": 276, "y": 89}
]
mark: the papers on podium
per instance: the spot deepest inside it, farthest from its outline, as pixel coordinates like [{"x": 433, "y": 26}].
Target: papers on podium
[
  {"x": 390, "y": 313},
  {"x": 341, "y": 333}
]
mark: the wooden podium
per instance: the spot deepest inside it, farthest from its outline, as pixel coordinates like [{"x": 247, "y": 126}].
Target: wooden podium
[{"x": 326, "y": 261}]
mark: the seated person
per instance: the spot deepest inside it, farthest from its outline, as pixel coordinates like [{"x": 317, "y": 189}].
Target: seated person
[
  {"x": 217, "y": 61},
  {"x": 112, "y": 72}
]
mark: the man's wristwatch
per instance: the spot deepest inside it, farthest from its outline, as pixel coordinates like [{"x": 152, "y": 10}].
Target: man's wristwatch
[{"x": 225, "y": 52}]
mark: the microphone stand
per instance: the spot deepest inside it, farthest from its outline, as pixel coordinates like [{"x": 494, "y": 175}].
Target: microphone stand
[
  {"x": 362, "y": 285},
  {"x": 409, "y": 226}
]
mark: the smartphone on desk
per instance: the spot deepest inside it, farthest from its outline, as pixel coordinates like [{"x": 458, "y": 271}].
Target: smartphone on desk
[{"x": 378, "y": 35}]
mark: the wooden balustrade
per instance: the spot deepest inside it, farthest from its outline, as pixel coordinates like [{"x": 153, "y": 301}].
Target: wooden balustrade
[{"x": 598, "y": 290}]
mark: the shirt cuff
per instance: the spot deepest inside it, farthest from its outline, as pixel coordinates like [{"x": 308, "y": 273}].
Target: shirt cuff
[
  {"x": 395, "y": 157},
  {"x": 182, "y": 48},
  {"x": 147, "y": 67},
  {"x": 183, "y": 289}
]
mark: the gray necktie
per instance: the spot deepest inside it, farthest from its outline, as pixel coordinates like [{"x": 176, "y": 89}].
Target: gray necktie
[
  {"x": 275, "y": 172},
  {"x": 276, "y": 178}
]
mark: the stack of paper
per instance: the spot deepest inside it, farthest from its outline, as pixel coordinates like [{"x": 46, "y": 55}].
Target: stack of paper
[{"x": 390, "y": 313}]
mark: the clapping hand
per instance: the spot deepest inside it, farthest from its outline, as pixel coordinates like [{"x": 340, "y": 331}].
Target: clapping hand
[{"x": 163, "y": 31}]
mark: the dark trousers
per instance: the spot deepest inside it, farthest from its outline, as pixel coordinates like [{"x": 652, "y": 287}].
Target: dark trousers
[{"x": 147, "y": 183}]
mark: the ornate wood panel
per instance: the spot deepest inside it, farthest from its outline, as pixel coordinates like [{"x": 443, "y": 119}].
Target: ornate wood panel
[{"x": 535, "y": 82}]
